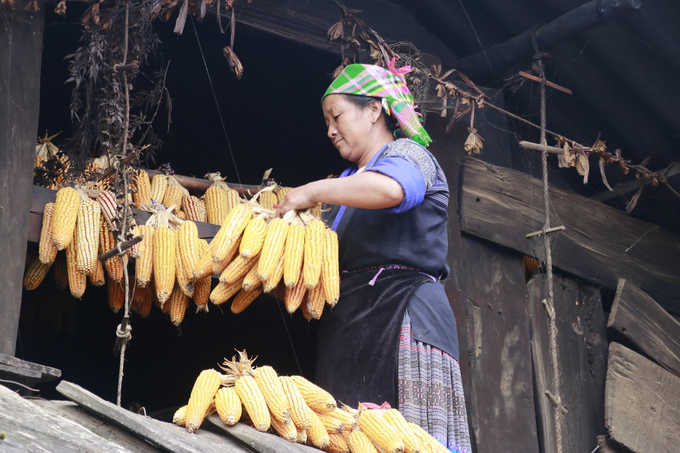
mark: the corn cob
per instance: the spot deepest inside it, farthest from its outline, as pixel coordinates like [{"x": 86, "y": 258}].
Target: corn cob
[
  {"x": 203, "y": 267},
  {"x": 47, "y": 250},
  {"x": 87, "y": 236},
  {"x": 274, "y": 279},
  {"x": 330, "y": 272},
  {"x": 382, "y": 434},
  {"x": 202, "y": 289},
  {"x": 337, "y": 444},
  {"x": 428, "y": 443},
  {"x": 216, "y": 205},
  {"x": 164, "y": 257},
  {"x": 253, "y": 237},
  {"x": 281, "y": 193},
  {"x": 359, "y": 443},
  {"x": 221, "y": 265},
  {"x": 183, "y": 278},
  {"x": 315, "y": 300},
  {"x": 180, "y": 416},
  {"x": 172, "y": 196},
  {"x": 347, "y": 419},
  {"x": 411, "y": 442},
  {"x": 233, "y": 199},
  {"x": 114, "y": 265},
  {"x": 267, "y": 200},
  {"x": 202, "y": 395},
  {"x": 108, "y": 206},
  {"x": 116, "y": 295},
  {"x": 35, "y": 273},
  {"x": 228, "y": 405},
  {"x": 77, "y": 281},
  {"x": 142, "y": 185},
  {"x": 61, "y": 275},
  {"x": 159, "y": 184},
  {"x": 285, "y": 430},
  {"x": 252, "y": 280},
  {"x": 301, "y": 436},
  {"x": 180, "y": 214},
  {"x": 243, "y": 299},
  {"x": 314, "y": 242},
  {"x": 230, "y": 231},
  {"x": 305, "y": 311},
  {"x": 272, "y": 390},
  {"x": 295, "y": 249},
  {"x": 144, "y": 264},
  {"x": 332, "y": 424},
  {"x": 317, "y": 434},
  {"x": 178, "y": 303},
  {"x": 194, "y": 209},
  {"x": 318, "y": 400},
  {"x": 98, "y": 278},
  {"x": 254, "y": 402},
  {"x": 65, "y": 217},
  {"x": 142, "y": 301},
  {"x": 133, "y": 251},
  {"x": 272, "y": 249},
  {"x": 295, "y": 295},
  {"x": 299, "y": 411},
  {"x": 237, "y": 269},
  {"x": 222, "y": 293}
]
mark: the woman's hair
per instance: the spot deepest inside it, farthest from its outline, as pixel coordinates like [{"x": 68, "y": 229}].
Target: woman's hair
[{"x": 365, "y": 101}]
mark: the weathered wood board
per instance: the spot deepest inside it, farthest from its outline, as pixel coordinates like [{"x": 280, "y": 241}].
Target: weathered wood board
[
  {"x": 30, "y": 428},
  {"x": 600, "y": 244},
  {"x": 10, "y": 365},
  {"x": 644, "y": 322},
  {"x": 166, "y": 436},
  {"x": 502, "y": 413},
  {"x": 582, "y": 352},
  {"x": 641, "y": 403}
]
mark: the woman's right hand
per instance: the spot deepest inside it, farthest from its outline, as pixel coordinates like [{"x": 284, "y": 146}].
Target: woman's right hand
[{"x": 296, "y": 199}]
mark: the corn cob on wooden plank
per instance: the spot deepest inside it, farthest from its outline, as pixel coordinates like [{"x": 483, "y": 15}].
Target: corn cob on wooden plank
[
  {"x": 428, "y": 443},
  {"x": 144, "y": 264},
  {"x": 253, "y": 237},
  {"x": 254, "y": 402},
  {"x": 202, "y": 396},
  {"x": 65, "y": 217},
  {"x": 272, "y": 390},
  {"x": 285, "y": 430},
  {"x": 272, "y": 249},
  {"x": 411, "y": 442},
  {"x": 318, "y": 400},
  {"x": 337, "y": 444},
  {"x": 47, "y": 251},
  {"x": 358, "y": 442},
  {"x": 293, "y": 255},
  {"x": 313, "y": 260},
  {"x": 180, "y": 416},
  {"x": 330, "y": 272},
  {"x": 301, "y": 436},
  {"x": 317, "y": 434},
  {"x": 35, "y": 273},
  {"x": 228, "y": 405},
  {"x": 332, "y": 424},
  {"x": 87, "y": 236},
  {"x": 348, "y": 419},
  {"x": 299, "y": 411},
  {"x": 382, "y": 434}
]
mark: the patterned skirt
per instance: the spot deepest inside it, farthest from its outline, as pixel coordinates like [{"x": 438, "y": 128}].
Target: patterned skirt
[{"x": 431, "y": 391}]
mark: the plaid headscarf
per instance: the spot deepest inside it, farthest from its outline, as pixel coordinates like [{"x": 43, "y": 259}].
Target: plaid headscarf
[{"x": 374, "y": 81}]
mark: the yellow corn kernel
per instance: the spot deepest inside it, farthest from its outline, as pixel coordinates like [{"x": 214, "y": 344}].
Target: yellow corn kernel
[
  {"x": 109, "y": 206},
  {"x": 65, "y": 217},
  {"x": 359, "y": 443},
  {"x": 164, "y": 262},
  {"x": 202, "y": 396},
  {"x": 159, "y": 184},
  {"x": 142, "y": 186},
  {"x": 315, "y": 300},
  {"x": 144, "y": 264},
  {"x": 267, "y": 200},
  {"x": 87, "y": 236},
  {"x": 228, "y": 405},
  {"x": 281, "y": 193},
  {"x": 293, "y": 255},
  {"x": 285, "y": 430},
  {"x": 233, "y": 199},
  {"x": 253, "y": 237},
  {"x": 35, "y": 273},
  {"x": 180, "y": 214},
  {"x": 142, "y": 301},
  {"x": 237, "y": 269},
  {"x": 116, "y": 295},
  {"x": 254, "y": 402},
  {"x": 77, "y": 281},
  {"x": 317, "y": 434},
  {"x": 194, "y": 209},
  {"x": 330, "y": 271},
  {"x": 203, "y": 267},
  {"x": 411, "y": 442},
  {"x": 347, "y": 419},
  {"x": 180, "y": 416},
  {"x": 221, "y": 265},
  {"x": 243, "y": 299},
  {"x": 305, "y": 312},
  {"x": 230, "y": 232},
  {"x": 222, "y": 293},
  {"x": 272, "y": 390},
  {"x": 382, "y": 434},
  {"x": 274, "y": 279},
  {"x": 332, "y": 424},
  {"x": 47, "y": 251},
  {"x": 216, "y": 205},
  {"x": 337, "y": 444},
  {"x": 252, "y": 279},
  {"x": 272, "y": 249},
  {"x": 61, "y": 275},
  {"x": 295, "y": 295},
  {"x": 318, "y": 400},
  {"x": 429, "y": 443},
  {"x": 98, "y": 278},
  {"x": 313, "y": 260},
  {"x": 178, "y": 302},
  {"x": 182, "y": 277},
  {"x": 114, "y": 265},
  {"x": 172, "y": 196},
  {"x": 202, "y": 289},
  {"x": 299, "y": 411}
]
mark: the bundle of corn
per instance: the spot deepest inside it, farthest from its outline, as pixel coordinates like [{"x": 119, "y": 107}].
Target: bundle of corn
[{"x": 219, "y": 199}]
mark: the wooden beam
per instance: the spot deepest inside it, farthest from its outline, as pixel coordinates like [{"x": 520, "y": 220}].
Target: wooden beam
[
  {"x": 641, "y": 403},
  {"x": 634, "y": 185},
  {"x": 644, "y": 322},
  {"x": 600, "y": 244},
  {"x": 37, "y": 373}
]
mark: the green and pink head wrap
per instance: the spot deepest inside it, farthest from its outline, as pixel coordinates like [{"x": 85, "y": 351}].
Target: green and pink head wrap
[{"x": 375, "y": 81}]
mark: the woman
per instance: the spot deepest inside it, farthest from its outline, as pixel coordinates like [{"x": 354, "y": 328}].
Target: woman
[{"x": 392, "y": 336}]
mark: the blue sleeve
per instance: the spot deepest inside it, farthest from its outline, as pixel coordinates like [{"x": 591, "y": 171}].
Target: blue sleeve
[{"x": 408, "y": 176}]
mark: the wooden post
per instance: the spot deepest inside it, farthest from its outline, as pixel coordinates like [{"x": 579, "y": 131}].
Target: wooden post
[{"x": 21, "y": 39}]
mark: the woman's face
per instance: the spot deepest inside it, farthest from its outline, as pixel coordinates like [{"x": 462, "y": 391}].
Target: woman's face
[{"x": 348, "y": 126}]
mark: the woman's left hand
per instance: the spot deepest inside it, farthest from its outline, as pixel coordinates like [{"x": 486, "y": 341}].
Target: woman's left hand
[{"x": 296, "y": 199}]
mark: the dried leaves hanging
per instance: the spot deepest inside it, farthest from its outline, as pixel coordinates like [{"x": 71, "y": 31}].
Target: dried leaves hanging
[{"x": 234, "y": 62}]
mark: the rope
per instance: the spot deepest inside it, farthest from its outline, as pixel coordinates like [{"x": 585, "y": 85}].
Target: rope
[{"x": 553, "y": 395}]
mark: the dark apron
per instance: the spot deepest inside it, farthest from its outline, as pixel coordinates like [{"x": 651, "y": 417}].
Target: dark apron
[{"x": 357, "y": 347}]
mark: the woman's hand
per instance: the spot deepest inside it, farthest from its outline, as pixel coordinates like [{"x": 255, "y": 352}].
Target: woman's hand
[{"x": 296, "y": 199}]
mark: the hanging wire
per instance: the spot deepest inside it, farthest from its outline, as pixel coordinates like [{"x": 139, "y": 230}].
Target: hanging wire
[{"x": 290, "y": 340}]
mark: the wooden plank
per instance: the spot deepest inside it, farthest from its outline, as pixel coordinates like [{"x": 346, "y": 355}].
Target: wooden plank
[
  {"x": 30, "y": 428},
  {"x": 582, "y": 351},
  {"x": 167, "y": 436},
  {"x": 41, "y": 372},
  {"x": 21, "y": 41},
  {"x": 502, "y": 413},
  {"x": 641, "y": 403},
  {"x": 644, "y": 322},
  {"x": 258, "y": 441},
  {"x": 73, "y": 412},
  {"x": 600, "y": 243}
]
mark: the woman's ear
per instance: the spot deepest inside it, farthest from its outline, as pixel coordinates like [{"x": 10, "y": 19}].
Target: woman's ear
[{"x": 376, "y": 110}]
